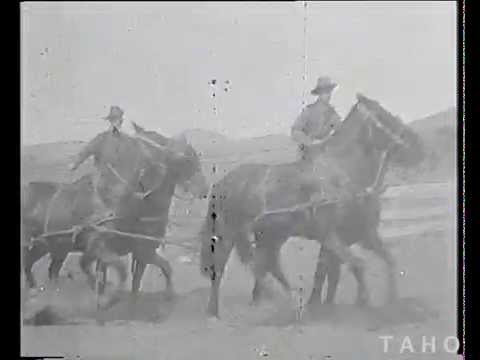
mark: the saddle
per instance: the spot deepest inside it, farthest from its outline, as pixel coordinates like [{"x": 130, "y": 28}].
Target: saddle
[{"x": 288, "y": 185}]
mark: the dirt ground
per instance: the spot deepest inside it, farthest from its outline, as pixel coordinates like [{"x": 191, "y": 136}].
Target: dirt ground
[{"x": 418, "y": 225}]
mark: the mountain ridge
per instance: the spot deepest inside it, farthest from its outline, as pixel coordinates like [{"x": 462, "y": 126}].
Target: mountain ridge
[{"x": 49, "y": 161}]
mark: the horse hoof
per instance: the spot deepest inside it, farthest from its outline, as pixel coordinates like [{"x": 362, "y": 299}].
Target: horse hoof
[
  {"x": 314, "y": 301},
  {"x": 170, "y": 294},
  {"x": 214, "y": 322},
  {"x": 392, "y": 298},
  {"x": 362, "y": 300},
  {"x": 358, "y": 264},
  {"x": 100, "y": 322},
  {"x": 212, "y": 311},
  {"x": 254, "y": 302},
  {"x": 114, "y": 300}
]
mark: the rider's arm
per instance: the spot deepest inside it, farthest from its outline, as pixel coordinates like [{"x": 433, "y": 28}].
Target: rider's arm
[
  {"x": 89, "y": 150},
  {"x": 299, "y": 129},
  {"x": 300, "y": 137},
  {"x": 334, "y": 122}
]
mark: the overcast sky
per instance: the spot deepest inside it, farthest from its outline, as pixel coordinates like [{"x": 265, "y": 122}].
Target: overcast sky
[{"x": 155, "y": 60}]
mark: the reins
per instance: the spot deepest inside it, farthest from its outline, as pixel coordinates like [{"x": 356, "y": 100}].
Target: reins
[
  {"x": 374, "y": 189},
  {"x": 97, "y": 226}
]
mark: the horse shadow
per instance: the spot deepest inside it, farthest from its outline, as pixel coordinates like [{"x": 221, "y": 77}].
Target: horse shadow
[
  {"x": 408, "y": 310},
  {"x": 71, "y": 303}
]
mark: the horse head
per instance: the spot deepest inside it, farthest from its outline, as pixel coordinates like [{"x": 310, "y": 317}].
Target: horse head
[
  {"x": 384, "y": 131},
  {"x": 367, "y": 140},
  {"x": 179, "y": 160}
]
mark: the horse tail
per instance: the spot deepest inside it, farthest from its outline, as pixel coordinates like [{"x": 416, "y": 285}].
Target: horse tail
[
  {"x": 243, "y": 245},
  {"x": 225, "y": 221}
]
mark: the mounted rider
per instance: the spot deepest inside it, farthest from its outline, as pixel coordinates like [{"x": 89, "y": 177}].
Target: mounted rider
[
  {"x": 111, "y": 151},
  {"x": 95, "y": 146},
  {"x": 311, "y": 130},
  {"x": 317, "y": 120}
]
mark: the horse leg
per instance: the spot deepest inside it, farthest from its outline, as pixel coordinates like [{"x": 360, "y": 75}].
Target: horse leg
[
  {"x": 328, "y": 268},
  {"x": 138, "y": 272},
  {"x": 260, "y": 270},
  {"x": 109, "y": 258},
  {"x": 378, "y": 248},
  {"x": 101, "y": 268},
  {"x": 58, "y": 254},
  {"x": 30, "y": 257},
  {"x": 363, "y": 296},
  {"x": 215, "y": 271},
  {"x": 320, "y": 275},
  {"x": 56, "y": 264},
  {"x": 265, "y": 260},
  {"x": 85, "y": 263},
  {"x": 277, "y": 273},
  {"x": 159, "y": 261},
  {"x": 344, "y": 253},
  {"x": 333, "y": 276}
]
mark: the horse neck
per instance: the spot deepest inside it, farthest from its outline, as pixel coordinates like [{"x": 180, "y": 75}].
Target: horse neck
[
  {"x": 129, "y": 159},
  {"x": 160, "y": 199},
  {"x": 361, "y": 165}
]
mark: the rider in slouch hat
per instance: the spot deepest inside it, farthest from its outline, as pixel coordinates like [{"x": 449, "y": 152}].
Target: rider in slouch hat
[
  {"x": 115, "y": 117},
  {"x": 317, "y": 120}
]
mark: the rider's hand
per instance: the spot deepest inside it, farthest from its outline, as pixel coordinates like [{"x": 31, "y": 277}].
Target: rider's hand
[
  {"x": 301, "y": 138},
  {"x": 317, "y": 197},
  {"x": 139, "y": 195},
  {"x": 318, "y": 143},
  {"x": 72, "y": 167}
]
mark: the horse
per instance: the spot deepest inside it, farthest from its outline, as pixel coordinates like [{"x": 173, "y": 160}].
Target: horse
[
  {"x": 51, "y": 206},
  {"x": 149, "y": 216},
  {"x": 349, "y": 162}
]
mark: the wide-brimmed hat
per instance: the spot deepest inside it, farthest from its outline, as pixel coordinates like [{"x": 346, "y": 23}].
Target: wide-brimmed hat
[
  {"x": 324, "y": 84},
  {"x": 115, "y": 113}
]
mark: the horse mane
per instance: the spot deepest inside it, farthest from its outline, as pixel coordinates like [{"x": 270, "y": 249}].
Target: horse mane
[
  {"x": 153, "y": 135},
  {"x": 34, "y": 188},
  {"x": 384, "y": 116},
  {"x": 345, "y": 135}
]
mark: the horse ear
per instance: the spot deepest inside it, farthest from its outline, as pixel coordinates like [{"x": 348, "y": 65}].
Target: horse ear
[
  {"x": 138, "y": 129},
  {"x": 182, "y": 139},
  {"x": 361, "y": 98},
  {"x": 363, "y": 135}
]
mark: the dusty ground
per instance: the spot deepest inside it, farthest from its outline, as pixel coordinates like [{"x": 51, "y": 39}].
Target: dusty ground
[{"x": 418, "y": 225}]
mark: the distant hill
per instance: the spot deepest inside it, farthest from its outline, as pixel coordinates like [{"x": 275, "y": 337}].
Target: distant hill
[
  {"x": 439, "y": 133},
  {"x": 49, "y": 162},
  {"x": 205, "y": 138},
  {"x": 220, "y": 154},
  {"x": 215, "y": 145},
  {"x": 429, "y": 124}
]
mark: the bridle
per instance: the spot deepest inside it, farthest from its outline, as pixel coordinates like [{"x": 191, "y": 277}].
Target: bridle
[
  {"x": 396, "y": 139},
  {"x": 155, "y": 187},
  {"x": 369, "y": 116}
]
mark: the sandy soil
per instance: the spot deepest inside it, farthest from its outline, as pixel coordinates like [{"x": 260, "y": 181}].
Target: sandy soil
[{"x": 418, "y": 225}]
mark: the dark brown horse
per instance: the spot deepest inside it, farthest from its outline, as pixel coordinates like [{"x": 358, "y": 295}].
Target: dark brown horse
[
  {"x": 142, "y": 189},
  {"x": 257, "y": 198}
]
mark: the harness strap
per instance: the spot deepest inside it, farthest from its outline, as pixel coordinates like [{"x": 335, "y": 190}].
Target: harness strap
[
  {"x": 50, "y": 207},
  {"x": 369, "y": 116},
  {"x": 264, "y": 187},
  {"x": 115, "y": 172},
  {"x": 311, "y": 204},
  {"x": 152, "y": 143},
  {"x": 151, "y": 218},
  {"x": 382, "y": 169}
]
